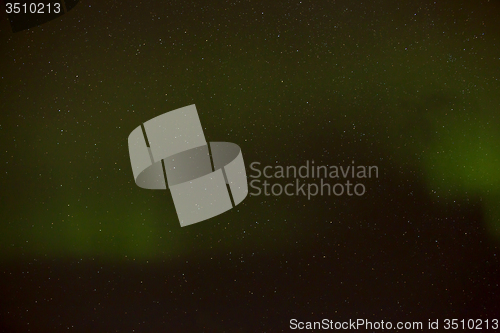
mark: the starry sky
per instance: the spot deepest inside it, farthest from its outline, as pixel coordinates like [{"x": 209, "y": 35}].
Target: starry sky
[{"x": 411, "y": 87}]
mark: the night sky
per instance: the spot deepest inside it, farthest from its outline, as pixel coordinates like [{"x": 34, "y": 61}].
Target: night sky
[{"x": 412, "y": 87}]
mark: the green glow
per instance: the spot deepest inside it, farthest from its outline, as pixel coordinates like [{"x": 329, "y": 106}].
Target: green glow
[{"x": 466, "y": 162}]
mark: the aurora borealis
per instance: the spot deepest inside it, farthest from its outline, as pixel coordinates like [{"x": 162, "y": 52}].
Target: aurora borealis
[{"x": 411, "y": 87}]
